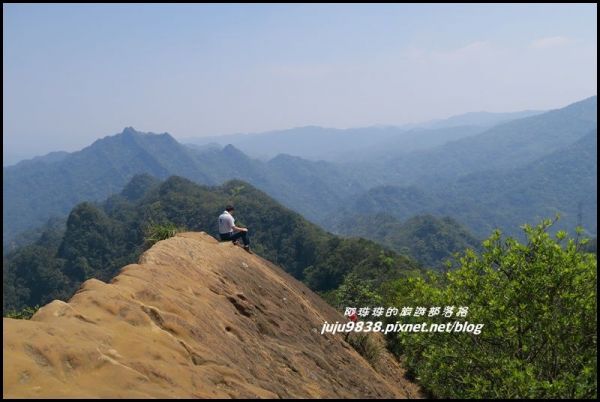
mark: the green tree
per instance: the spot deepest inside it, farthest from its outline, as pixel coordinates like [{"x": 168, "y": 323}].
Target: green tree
[
  {"x": 538, "y": 303},
  {"x": 354, "y": 292}
]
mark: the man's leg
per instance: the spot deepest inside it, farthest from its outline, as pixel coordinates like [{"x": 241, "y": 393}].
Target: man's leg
[
  {"x": 243, "y": 235},
  {"x": 245, "y": 239}
]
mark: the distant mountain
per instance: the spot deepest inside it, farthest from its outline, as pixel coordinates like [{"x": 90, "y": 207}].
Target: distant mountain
[
  {"x": 408, "y": 141},
  {"x": 211, "y": 146},
  {"x": 11, "y": 157},
  {"x": 564, "y": 181},
  {"x": 310, "y": 142},
  {"x": 502, "y": 147},
  {"x": 332, "y": 144},
  {"x": 54, "y": 226},
  {"x": 36, "y": 191},
  {"x": 425, "y": 238},
  {"x": 483, "y": 119},
  {"x": 48, "y": 158}
]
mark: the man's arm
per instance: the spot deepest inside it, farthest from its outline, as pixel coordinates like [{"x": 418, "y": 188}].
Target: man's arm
[{"x": 240, "y": 229}]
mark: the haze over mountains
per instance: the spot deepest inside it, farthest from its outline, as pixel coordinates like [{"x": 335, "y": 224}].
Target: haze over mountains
[
  {"x": 331, "y": 144},
  {"x": 563, "y": 182},
  {"x": 513, "y": 172},
  {"x": 502, "y": 147}
]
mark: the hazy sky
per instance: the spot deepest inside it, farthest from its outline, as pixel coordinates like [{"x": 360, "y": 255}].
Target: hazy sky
[{"x": 75, "y": 73}]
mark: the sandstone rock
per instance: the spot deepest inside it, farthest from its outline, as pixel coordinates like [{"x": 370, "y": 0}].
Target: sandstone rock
[{"x": 194, "y": 318}]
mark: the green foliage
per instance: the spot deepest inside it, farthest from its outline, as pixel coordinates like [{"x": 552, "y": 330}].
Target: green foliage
[
  {"x": 235, "y": 191},
  {"x": 427, "y": 239},
  {"x": 139, "y": 186},
  {"x": 33, "y": 275},
  {"x": 51, "y": 232},
  {"x": 537, "y": 301},
  {"x": 354, "y": 292},
  {"x": 25, "y": 314},
  {"x": 157, "y": 232}
]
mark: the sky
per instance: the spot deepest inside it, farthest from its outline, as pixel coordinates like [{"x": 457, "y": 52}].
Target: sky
[{"x": 73, "y": 73}]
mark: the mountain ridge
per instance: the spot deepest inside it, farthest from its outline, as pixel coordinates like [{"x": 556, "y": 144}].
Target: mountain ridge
[
  {"x": 502, "y": 147},
  {"x": 116, "y": 159},
  {"x": 193, "y": 318}
]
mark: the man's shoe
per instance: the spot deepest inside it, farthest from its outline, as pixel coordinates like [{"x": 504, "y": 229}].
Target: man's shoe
[{"x": 247, "y": 248}]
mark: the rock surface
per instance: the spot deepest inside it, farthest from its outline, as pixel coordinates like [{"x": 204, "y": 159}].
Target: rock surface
[{"x": 195, "y": 318}]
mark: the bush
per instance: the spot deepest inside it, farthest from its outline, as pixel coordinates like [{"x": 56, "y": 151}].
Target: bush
[
  {"x": 354, "y": 292},
  {"x": 24, "y": 314},
  {"x": 538, "y": 303},
  {"x": 157, "y": 232},
  {"x": 366, "y": 345}
]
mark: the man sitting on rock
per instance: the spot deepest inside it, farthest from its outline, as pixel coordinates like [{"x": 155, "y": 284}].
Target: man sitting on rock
[{"x": 228, "y": 230}]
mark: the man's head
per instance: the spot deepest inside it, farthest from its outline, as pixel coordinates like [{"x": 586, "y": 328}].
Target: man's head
[{"x": 229, "y": 208}]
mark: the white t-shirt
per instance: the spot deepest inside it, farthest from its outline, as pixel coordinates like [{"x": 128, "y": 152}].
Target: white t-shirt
[{"x": 226, "y": 222}]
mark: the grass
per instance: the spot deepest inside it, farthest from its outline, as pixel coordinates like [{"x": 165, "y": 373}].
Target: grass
[{"x": 157, "y": 232}]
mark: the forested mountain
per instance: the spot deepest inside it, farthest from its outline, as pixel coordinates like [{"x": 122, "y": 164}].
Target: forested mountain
[
  {"x": 425, "y": 238},
  {"x": 49, "y": 157},
  {"x": 564, "y": 182},
  {"x": 502, "y": 147},
  {"x": 30, "y": 236},
  {"x": 310, "y": 188},
  {"x": 36, "y": 191},
  {"x": 100, "y": 239}
]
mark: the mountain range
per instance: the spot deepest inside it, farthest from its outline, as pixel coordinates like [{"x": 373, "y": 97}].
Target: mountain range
[
  {"x": 503, "y": 147},
  {"x": 37, "y": 191},
  {"x": 484, "y": 177},
  {"x": 338, "y": 145},
  {"x": 563, "y": 182}
]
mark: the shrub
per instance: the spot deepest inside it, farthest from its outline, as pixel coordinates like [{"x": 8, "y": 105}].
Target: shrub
[
  {"x": 157, "y": 232},
  {"x": 25, "y": 314},
  {"x": 538, "y": 303}
]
